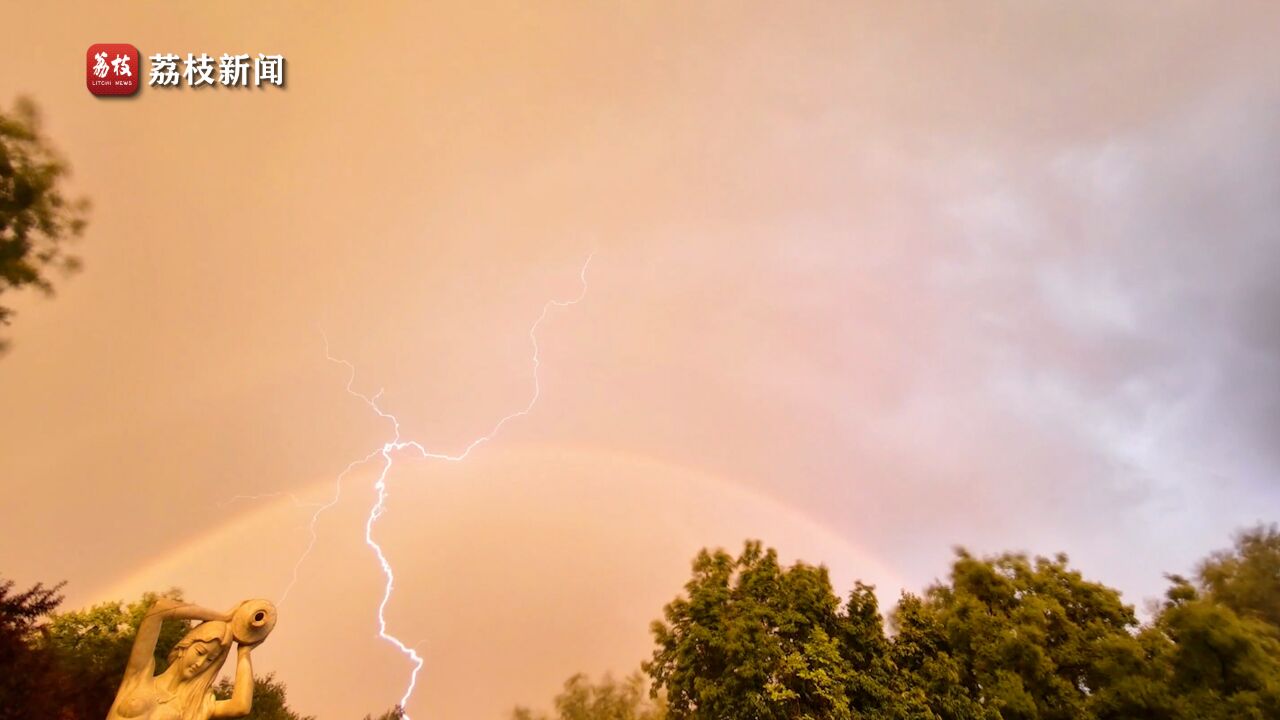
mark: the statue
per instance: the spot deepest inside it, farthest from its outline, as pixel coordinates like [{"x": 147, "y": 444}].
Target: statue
[{"x": 183, "y": 691}]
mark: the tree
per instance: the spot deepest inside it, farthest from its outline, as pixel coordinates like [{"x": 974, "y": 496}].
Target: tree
[
  {"x": 1017, "y": 638},
  {"x": 607, "y": 700},
  {"x": 91, "y": 648},
  {"x": 876, "y": 686},
  {"x": 26, "y": 670},
  {"x": 930, "y": 675},
  {"x": 1007, "y": 637},
  {"x": 1221, "y": 665},
  {"x": 1247, "y": 577},
  {"x": 36, "y": 218},
  {"x": 751, "y": 639},
  {"x": 268, "y": 699}
]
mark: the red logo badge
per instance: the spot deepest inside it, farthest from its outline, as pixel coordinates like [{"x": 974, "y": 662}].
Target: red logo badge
[{"x": 112, "y": 69}]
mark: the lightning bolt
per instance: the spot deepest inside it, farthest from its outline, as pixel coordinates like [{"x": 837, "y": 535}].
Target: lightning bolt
[{"x": 387, "y": 452}]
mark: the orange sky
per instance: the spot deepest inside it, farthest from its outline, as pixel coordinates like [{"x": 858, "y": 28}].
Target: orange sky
[{"x": 869, "y": 280}]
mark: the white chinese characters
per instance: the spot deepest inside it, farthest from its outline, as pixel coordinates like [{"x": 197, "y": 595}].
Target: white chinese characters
[
  {"x": 198, "y": 70},
  {"x": 164, "y": 70},
  {"x": 231, "y": 71},
  {"x": 119, "y": 66},
  {"x": 268, "y": 68}
]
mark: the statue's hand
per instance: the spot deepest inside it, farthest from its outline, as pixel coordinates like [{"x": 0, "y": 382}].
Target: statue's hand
[{"x": 166, "y": 605}]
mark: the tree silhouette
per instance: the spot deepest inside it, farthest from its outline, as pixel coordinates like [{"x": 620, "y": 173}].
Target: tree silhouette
[
  {"x": 36, "y": 217},
  {"x": 26, "y": 671}
]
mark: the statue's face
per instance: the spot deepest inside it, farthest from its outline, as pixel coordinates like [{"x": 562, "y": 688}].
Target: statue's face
[{"x": 196, "y": 658}]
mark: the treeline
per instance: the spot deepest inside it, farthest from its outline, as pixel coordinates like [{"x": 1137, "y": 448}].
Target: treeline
[{"x": 1004, "y": 638}]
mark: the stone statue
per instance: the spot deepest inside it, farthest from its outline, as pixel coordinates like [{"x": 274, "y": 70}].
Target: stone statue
[{"x": 184, "y": 690}]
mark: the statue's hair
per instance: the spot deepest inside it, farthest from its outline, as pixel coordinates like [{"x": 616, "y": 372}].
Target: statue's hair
[
  {"x": 196, "y": 690},
  {"x": 211, "y": 631}
]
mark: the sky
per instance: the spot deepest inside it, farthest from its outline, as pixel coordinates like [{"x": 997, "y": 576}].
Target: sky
[{"x": 867, "y": 281}]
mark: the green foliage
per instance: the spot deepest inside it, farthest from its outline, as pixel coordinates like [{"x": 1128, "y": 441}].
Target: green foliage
[
  {"x": 268, "y": 699},
  {"x": 92, "y": 648},
  {"x": 875, "y": 686},
  {"x": 36, "y": 218},
  {"x": 1220, "y": 665},
  {"x": 1023, "y": 637},
  {"x": 1006, "y": 638},
  {"x": 926, "y": 667},
  {"x": 752, "y": 640},
  {"x": 1247, "y": 577},
  {"x": 607, "y": 700}
]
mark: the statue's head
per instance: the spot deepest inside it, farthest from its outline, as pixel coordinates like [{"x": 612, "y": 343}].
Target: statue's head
[{"x": 200, "y": 653}]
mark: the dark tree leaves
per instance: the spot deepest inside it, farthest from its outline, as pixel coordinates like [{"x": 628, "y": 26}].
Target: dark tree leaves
[{"x": 36, "y": 217}]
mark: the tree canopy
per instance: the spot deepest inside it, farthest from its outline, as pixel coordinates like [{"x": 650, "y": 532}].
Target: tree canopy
[
  {"x": 1246, "y": 578},
  {"x": 608, "y": 699},
  {"x": 37, "y": 219},
  {"x": 269, "y": 701},
  {"x": 25, "y": 672},
  {"x": 1006, "y": 637},
  {"x": 1003, "y": 637}
]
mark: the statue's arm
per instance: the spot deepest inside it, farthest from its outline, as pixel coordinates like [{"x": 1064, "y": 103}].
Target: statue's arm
[
  {"x": 241, "y": 701},
  {"x": 144, "y": 644}
]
